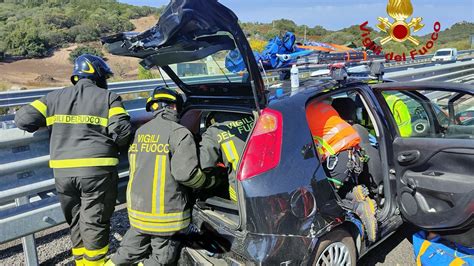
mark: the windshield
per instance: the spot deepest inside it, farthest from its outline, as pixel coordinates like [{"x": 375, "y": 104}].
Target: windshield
[
  {"x": 215, "y": 68},
  {"x": 443, "y": 53}
]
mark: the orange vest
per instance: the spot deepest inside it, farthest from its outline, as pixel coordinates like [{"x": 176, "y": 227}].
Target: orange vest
[{"x": 330, "y": 132}]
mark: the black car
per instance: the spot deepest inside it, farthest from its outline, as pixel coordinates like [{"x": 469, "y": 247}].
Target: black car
[{"x": 287, "y": 211}]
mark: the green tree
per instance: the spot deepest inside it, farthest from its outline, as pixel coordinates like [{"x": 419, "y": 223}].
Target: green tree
[
  {"x": 318, "y": 30},
  {"x": 145, "y": 73},
  {"x": 84, "y": 50},
  {"x": 285, "y": 25},
  {"x": 36, "y": 27},
  {"x": 24, "y": 39}
]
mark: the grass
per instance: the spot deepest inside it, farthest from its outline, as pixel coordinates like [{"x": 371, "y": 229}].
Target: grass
[{"x": 4, "y": 86}]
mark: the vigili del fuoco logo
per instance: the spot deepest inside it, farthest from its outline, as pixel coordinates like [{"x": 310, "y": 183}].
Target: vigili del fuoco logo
[{"x": 399, "y": 30}]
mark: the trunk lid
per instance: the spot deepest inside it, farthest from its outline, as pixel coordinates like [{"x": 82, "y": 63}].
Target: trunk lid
[{"x": 189, "y": 43}]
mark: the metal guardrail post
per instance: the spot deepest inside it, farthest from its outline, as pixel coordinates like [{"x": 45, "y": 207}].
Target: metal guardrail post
[{"x": 28, "y": 242}]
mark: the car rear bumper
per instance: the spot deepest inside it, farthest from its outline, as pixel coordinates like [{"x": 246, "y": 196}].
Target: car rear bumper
[{"x": 258, "y": 249}]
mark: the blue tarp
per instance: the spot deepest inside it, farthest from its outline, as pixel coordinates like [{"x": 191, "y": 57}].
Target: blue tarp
[
  {"x": 276, "y": 46},
  {"x": 439, "y": 252}
]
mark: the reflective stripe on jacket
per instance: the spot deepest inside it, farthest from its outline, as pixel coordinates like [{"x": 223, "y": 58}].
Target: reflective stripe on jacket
[
  {"x": 224, "y": 142},
  {"x": 330, "y": 132},
  {"x": 163, "y": 162},
  {"x": 88, "y": 125}
]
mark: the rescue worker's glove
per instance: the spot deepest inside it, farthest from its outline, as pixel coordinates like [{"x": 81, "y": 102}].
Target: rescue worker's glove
[{"x": 214, "y": 177}]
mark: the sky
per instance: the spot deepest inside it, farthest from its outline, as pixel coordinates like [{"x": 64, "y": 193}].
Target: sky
[{"x": 338, "y": 14}]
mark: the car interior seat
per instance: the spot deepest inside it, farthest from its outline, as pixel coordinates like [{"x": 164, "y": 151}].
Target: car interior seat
[
  {"x": 347, "y": 109},
  {"x": 374, "y": 165},
  {"x": 372, "y": 176}
]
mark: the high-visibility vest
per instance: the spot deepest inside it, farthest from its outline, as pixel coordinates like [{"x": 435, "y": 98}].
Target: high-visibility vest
[
  {"x": 401, "y": 113},
  {"x": 330, "y": 132}
]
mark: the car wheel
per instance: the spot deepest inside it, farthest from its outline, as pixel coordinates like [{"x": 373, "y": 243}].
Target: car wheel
[{"x": 336, "y": 248}]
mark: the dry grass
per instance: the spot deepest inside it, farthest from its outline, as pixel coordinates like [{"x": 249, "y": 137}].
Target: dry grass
[
  {"x": 4, "y": 86},
  {"x": 24, "y": 73},
  {"x": 144, "y": 23}
]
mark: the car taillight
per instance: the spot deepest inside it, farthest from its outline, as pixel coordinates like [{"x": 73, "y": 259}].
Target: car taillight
[{"x": 263, "y": 150}]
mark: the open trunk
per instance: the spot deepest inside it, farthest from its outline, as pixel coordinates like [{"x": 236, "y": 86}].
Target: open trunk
[{"x": 190, "y": 43}]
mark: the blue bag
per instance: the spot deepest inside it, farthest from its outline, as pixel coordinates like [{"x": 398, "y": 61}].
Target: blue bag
[
  {"x": 440, "y": 252},
  {"x": 268, "y": 57}
]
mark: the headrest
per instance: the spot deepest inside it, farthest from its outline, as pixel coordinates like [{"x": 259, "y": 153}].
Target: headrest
[{"x": 347, "y": 108}]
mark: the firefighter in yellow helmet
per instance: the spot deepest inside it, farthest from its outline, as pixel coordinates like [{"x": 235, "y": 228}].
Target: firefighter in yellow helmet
[
  {"x": 164, "y": 168},
  {"x": 88, "y": 126}
]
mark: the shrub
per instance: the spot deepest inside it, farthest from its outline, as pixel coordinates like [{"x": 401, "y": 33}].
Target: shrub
[
  {"x": 35, "y": 27},
  {"x": 145, "y": 73},
  {"x": 257, "y": 45},
  {"x": 84, "y": 50},
  {"x": 83, "y": 33},
  {"x": 23, "y": 38}
]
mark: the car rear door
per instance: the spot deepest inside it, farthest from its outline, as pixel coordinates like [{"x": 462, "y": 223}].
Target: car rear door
[{"x": 434, "y": 162}]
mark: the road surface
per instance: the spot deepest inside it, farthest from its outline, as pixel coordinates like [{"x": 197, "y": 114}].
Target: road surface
[{"x": 54, "y": 246}]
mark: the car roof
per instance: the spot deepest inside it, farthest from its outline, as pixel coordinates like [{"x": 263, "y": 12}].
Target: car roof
[
  {"x": 446, "y": 49},
  {"x": 310, "y": 88},
  {"x": 442, "y": 86},
  {"x": 313, "y": 86}
]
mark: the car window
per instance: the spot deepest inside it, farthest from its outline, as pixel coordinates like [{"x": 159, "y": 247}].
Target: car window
[
  {"x": 431, "y": 113},
  {"x": 443, "y": 53},
  {"x": 214, "y": 69},
  {"x": 352, "y": 108}
]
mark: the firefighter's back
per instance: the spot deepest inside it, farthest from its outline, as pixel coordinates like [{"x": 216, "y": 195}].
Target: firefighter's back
[
  {"x": 79, "y": 118},
  {"x": 157, "y": 203}
]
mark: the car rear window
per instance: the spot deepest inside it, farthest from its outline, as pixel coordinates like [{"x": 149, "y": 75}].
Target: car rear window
[
  {"x": 211, "y": 69},
  {"x": 443, "y": 53}
]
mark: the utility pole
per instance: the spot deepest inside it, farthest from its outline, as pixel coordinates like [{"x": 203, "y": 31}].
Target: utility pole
[{"x": 304, "y": 34}]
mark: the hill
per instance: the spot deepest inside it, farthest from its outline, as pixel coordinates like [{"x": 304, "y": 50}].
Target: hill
[
  {"x": 35, "y": 28},
  {"x": 55, "y": 70},
  {"x": 38, "y": 37},
  {"x": 456, "y": 36}
]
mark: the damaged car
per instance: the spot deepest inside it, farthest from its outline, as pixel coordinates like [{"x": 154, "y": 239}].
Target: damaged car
[{"x": 287, "y": 212}]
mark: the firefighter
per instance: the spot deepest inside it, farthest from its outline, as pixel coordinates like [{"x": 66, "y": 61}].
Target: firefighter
[
  {"x": 400, "y": 112},
  {"x": 224, "y": 142},
  {"x": 338, "y": 146},
  {"x": 88, "y": 126},
  {"x": 164, "y": 167}
]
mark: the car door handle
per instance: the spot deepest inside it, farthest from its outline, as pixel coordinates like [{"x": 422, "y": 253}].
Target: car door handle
[
  {"x": 433, "y": 173},
  {"x": 408, "y": 156}
]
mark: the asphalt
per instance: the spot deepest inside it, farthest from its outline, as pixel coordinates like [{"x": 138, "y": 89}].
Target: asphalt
[
  {"x": 53, "y": 246},
  {"x": 395, "y": 250}
]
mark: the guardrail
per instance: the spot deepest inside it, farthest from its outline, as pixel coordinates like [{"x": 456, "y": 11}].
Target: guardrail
[
  {"x": 434, "y": 73},
  {"x": 27, "y": 192},
  {"x": 17, "y": 98},
  {"x": 423, "y": 59}
]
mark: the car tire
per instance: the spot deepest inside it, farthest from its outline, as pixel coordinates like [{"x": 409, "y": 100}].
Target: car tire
[{"x": 336, "y": 248}]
